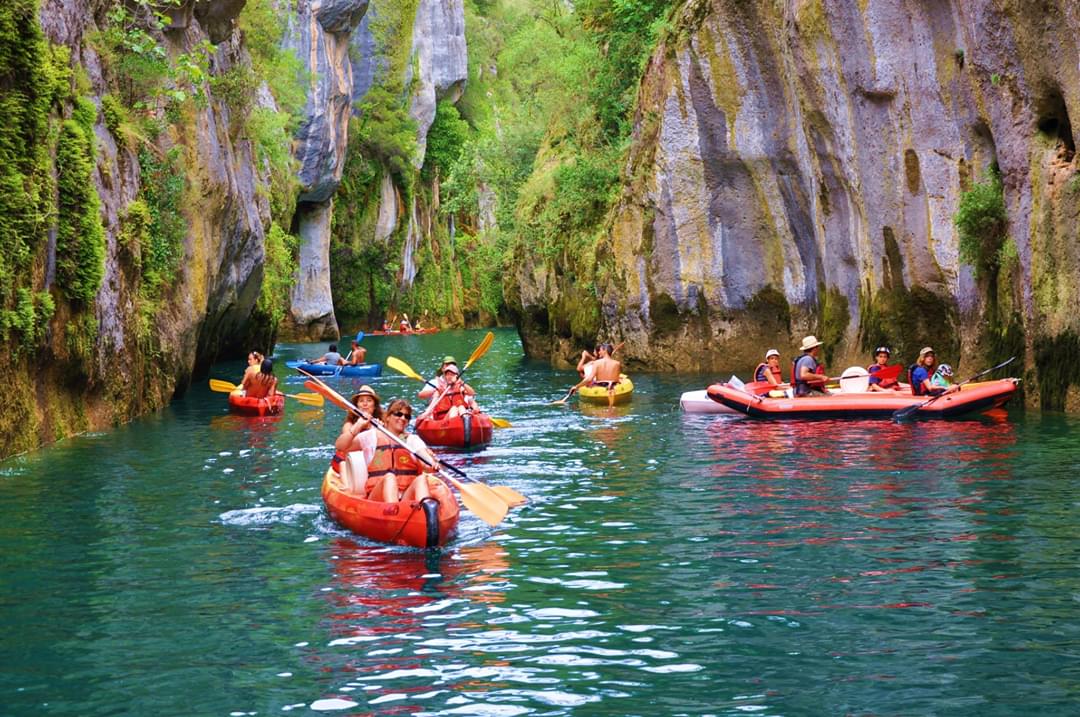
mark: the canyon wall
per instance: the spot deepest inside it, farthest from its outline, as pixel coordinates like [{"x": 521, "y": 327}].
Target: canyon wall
[{"x": 796, "y": 168}]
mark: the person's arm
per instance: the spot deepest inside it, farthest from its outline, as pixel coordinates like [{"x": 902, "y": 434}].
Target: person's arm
[
  {"x": 770, "y": 376},
  {"x": 418, "y": 446},
  {"x": 273, "y": 386}
]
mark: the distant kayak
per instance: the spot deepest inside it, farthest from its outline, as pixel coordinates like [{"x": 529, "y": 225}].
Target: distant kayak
[
  {"x": 321, "y": 369},
  {"x": 247, "y": 406},
  {"x": 699, "y": 402},
  {"x": 401, "y": 333},
  {"x": 599, "y": 394},
  {"x": 423, "y": 525},
  {"x": 974, "y": 397},
  {"x": 470, "y": 430}
]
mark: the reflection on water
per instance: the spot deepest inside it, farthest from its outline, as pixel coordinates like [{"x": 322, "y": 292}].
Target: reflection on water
[{"x": 667, "y": 564}]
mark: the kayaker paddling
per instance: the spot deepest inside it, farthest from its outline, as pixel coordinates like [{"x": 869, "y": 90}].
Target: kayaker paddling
[
  {"x": 380, "y": 467},
  {"x": 921, "y": 373},
  {"x": 887, "y": 380},
  {"x": 604, "y": 372},
  {"x": 262, "y": 384},
  {"x": 456, "y": 398},
  {"x": 331, "y": 357},
  {"x": 807, "y": 376},
  {"x": 436, "y": 385}
]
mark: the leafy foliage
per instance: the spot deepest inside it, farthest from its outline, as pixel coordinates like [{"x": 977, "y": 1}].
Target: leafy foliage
[
  {"x": 161, "y": 241},
  {"x": 445, "y": 140},
  {"x": 981, "y": 222},
  {"x": 386, "y": 133},
  {"x": 80, "y": 238},
  {"x": 278, "y": 270}
]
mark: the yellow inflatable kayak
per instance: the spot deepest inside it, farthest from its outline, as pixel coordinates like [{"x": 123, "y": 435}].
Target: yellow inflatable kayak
[{"x": 599, "y": 394}]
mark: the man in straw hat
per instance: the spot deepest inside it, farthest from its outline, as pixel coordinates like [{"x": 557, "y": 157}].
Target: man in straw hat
[{"x": 807, "y": 375}]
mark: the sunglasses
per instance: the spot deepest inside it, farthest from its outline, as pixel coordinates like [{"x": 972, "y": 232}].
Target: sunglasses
[{"x": 402, "y": 414}]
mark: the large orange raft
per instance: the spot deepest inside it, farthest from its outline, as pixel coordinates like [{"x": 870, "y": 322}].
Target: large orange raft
[
  {"x": 247, "y": 406},
  {"x": 469, "y": 430},
  {"x": 971, "y": 398},
  {"x": 421, "y": 525}
]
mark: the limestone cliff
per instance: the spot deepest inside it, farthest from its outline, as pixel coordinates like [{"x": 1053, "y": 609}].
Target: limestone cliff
[
  {"x": 172, "y": 170},
  {"x": 796, "y": 168}
]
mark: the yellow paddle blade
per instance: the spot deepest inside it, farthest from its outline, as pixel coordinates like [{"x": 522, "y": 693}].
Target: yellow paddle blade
[
  {"x": 403, "y": 368},
  {"x": 509, "y": 496},
  {"x": 333, "y": 396},
  {"x": 308, "y": 399},
  {"x": 500, "y": 422},
  {"x": 220, "y": 386},
  {"x": 481, "y": 349},
  {"x": 481, "y": 500}
]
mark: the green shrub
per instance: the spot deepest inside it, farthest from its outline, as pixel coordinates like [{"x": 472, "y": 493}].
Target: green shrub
[
  {"x": 279, "y": 268},
  {"x": 445, "y": 139},
  {"x": 981, "y": 223},
  {"x": 80, "y": 238},
  {"x": 386, "y": 133},
  {"x": 163, "y": 242}
]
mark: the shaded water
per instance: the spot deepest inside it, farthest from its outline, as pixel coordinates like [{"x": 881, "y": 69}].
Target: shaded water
[{"x": 667, "y": 565}]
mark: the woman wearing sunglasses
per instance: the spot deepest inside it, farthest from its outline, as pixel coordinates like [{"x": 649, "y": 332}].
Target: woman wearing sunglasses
[{"x": 387, "y": 471}]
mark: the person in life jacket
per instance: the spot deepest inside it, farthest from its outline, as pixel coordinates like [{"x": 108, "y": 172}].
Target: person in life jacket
[
  {"x": 921, "y": 372},
  {"x": 881, "y": 360},
  {"x": 349, "y": 439},
  {"x": 769, "y": 370},
  {"x": 807, "y": 374},
  {"x": 386, "y": 470},
  {"x": 455, "y": 399},
  {"x": 437, "y": 384}
]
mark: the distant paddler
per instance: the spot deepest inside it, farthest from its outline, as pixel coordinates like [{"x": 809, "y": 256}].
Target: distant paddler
[{"x": 604, "y": 371}]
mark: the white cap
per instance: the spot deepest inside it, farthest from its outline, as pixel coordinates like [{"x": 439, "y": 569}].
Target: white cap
[{"x": 771, "y": 352}]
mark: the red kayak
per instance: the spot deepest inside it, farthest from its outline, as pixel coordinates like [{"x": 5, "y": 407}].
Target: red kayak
[
  {"x": 971, "y": 398},
  {"x": 247, "y": 406},
  {"x": 422, "y": 525},
  {"x": 470, "y": 430},
  {"x": 401, "y": 333}
]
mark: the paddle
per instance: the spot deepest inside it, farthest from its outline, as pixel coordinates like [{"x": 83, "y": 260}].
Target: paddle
[
  {"x": 905, "y": 413},
  {"x": 478, "y": 497},
  {"x": 308, "y": 399}
]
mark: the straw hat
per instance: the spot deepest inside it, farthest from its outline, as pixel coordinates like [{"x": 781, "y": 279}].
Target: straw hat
[
  {"x": 925, "y": 350},
  {"x": 365, "y": 390},
  {"x": 808, "y": 343}
]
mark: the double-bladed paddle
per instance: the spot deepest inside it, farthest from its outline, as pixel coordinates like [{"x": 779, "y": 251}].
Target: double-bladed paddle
[
  {"x": 910, "y": 411},
  {"x": 478, "y": 497},
  {"x": 308, "y": 399}
]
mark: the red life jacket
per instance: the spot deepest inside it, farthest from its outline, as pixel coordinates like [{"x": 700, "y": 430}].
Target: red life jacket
[
  {"x": 776, "y": 372},
  {"x": 454, "y": 397},
  {"x": 391, "y": 457}
]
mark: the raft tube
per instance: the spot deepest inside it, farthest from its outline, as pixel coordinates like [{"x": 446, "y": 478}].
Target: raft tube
[
  {"x": 246, "y": 406},
  {"x": 470, "y": 430},
  {"x": 321, "y": 369},
  {"x": 971, "y": 398},
  {"x": 624, "y": 389},
  {"x": 419, "y": 525},
  {"x": 699, "y": 402}
]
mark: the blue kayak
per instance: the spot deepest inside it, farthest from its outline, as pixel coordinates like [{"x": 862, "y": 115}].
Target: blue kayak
[{"x": 321, "y": 369}]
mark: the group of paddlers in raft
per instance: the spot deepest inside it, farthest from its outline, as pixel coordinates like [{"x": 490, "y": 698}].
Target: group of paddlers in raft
[
  {"x": 808, "y": 377},
  {"x": 374, "y": 465}
]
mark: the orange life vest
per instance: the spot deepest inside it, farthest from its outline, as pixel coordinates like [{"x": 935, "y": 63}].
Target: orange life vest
[
  {"x": 454, "y": 397},
  {"x": 391, "y": 457}
]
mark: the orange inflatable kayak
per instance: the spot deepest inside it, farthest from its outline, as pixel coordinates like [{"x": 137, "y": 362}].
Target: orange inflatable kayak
[
  {"x": 469, "y": 430},
  {"x": 971, "y": 398},
  {"x": 423, "y": 525},
  {"x": 247, "y": 406}
]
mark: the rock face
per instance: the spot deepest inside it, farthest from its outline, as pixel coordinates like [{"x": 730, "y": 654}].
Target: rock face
[
  {"x": 136, "y": 362},
  {"x": 440, "y": 54},
  {"x": 320, "y": 37},
  {"x": 796, "y": 167}
]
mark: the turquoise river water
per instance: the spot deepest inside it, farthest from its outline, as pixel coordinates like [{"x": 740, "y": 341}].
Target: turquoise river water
[{"x": 668, "y": 564}]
